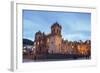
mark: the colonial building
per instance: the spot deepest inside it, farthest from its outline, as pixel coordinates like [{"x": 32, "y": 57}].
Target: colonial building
[
  {"x": 50, "y": 43},
  {"x": 53, "y": 43}
]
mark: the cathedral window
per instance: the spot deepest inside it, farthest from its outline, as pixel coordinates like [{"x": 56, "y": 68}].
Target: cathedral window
[
  {"x": 38, "y": 43},
  {"x": 48, "y": 40}
]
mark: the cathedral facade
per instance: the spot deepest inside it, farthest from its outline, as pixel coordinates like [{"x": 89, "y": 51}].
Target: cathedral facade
[
  {"x": 50, "y": 43},
  {"x": 54, "y": 43}
]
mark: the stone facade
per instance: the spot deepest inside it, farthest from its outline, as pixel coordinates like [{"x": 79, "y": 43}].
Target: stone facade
[{"x": 54, "y": 43}]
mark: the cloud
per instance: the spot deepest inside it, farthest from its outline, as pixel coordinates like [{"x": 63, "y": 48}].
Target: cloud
[
  {"x": 75, "y": 25},
  {"x": 76, "y": 37},
  {"x": 29, "y": 29}
]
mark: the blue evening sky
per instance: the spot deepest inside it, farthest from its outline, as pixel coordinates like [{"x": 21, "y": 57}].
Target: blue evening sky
[{"x": 75, "y": 25}]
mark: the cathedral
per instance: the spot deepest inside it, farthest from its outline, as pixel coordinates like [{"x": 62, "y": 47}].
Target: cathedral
[
  {"x": 53, "y": 43},
  {"x": 50, "y": 43}
]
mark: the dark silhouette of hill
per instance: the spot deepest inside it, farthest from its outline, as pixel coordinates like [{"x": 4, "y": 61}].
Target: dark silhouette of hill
[{"x": 27, "y": 42}]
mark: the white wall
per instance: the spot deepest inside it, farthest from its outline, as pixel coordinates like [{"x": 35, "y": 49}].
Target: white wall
[{"x": 5, "y": 37}]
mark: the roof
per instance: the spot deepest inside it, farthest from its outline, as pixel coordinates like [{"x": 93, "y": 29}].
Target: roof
[
  {"x": 56, "y": 24},
  {"x": 39, "y": 32}
]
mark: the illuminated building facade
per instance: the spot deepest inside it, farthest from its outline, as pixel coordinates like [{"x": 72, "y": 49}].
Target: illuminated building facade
[{"x": 53, "y": 43}]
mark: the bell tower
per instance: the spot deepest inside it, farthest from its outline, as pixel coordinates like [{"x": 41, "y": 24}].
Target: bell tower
[{"x": 56, "y": 29}]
